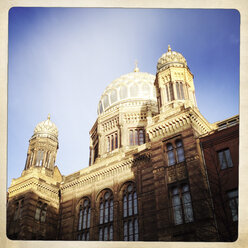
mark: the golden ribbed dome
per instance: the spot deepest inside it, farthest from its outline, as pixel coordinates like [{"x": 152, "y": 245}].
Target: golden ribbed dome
[
  {"x": 129, "y": 87},
  {"x": 171, "y": 58},
  {"x": 46, "y": 128}
]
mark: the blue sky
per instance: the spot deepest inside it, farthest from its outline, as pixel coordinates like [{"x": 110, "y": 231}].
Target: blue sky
[{"x": 62, "y": 59}]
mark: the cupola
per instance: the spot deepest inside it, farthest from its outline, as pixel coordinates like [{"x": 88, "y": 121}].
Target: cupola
[
  {"x": 43, "y": 146},
  {"x": 174, "y": 82}
]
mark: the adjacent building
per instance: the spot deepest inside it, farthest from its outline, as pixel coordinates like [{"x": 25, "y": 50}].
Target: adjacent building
[{"x": 149, "y": 176}]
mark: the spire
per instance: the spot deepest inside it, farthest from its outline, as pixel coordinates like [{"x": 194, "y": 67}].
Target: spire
[
  {"x": 169, "y": 48},
  {"x": 136, "y": 69},
  {"x": 48, "y": 117}
]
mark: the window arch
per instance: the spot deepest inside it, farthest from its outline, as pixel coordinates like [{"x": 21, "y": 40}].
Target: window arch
[
  {"x": 146, "y": 90},
  {"x": 180, "y": 151},
  {"x": 106, "y": 216},
  {"x": 175, "y": 152},
  {"x": 123, "y": 92},
  {"x": 136, "y": 136},
  {"x": 131, "y": 137},
  {"x": 170, "y": 154},
  {"x": 112, "y": 142},
  {"x": 108, "y": 144},
  {"x": 130, "y": 213},
  {"x": 39, "y": 158},
  {"x": 141, "y": 137},
  {"x": 105, "y": 101},
  {"x": 180, "y": 91},
  {"x": 31, "y": 159},
  {"x": 116, "y": 141},
  {"x": 83, "y": 229},
  {"x": 171, "y": 92},
  {"x": 181, "y": 204},
  {"x": 18, "y": 209},
  {"x": 113, "y": 96},
  {"x": 134, "y": 90},
  {"x": 167, "y": 93},
  {"x": 41, "y": 211},
  {"x": 100, "y": 107}
]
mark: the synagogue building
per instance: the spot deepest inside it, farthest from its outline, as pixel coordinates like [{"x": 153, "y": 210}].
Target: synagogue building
[{"x": 158, "y": 170}]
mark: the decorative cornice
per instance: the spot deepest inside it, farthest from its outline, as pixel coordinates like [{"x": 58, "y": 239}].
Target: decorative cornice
[
  {"x": 110, "y": 123},
  {"x": 97, "y": 175},
  {"x": 37, "y": 186},
  {"x": 172, "y": 124}
]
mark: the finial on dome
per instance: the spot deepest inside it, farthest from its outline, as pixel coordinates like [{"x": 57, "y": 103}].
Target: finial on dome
[
  {"x": 48, "y": 117},
  {"x": 136, "y": 69},
  {"x": 169, "y": 48}
]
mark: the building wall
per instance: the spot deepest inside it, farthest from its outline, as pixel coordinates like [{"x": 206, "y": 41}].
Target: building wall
[
  {"x": 25, "y": 226},
  {"x": 153, "y": 178},
  {"x": 222, "y": 181},
  {"x": 147, "y": 167}
]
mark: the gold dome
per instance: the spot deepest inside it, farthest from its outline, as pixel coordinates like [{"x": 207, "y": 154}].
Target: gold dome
[
  {"x": 134, "y": 86},
  {"x": 45, "y": 128},
  {"x": 171, "y": 58}
]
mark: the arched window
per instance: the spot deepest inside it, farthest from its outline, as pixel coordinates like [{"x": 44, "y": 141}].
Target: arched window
[
  {"x": 177, "y": 207},
  {"x": 105, "y": 101},
  {"x": 181, "y": 91},
  {"x": 84, "y": 220},
  {"x": 112, "y": 142},
  {"x": 108, "y": 144},
  {"x": 48, "y": 160},
  {"x": 16, "y": 214},
  {"x": 38, "y": 210},
  {"x": 116, "y": 141},
  {"x": 175, "y": 152},
  {"x": 178, "y": 91},
  {"x": 100, "y": 107},
  {"x": 146, "y": 90},
  {"x": 95, "y": 151},
  {"x": 134, "y": 90},
  {"x": 113, "y": 96},
  {"x": 181, "y": 205},
  {"x": 130, "y": 214},
  {"x": 123, "y": 92},
  {"x": 41, "y": 211},
  {"x": 141, "y": 137},
  {"x": 39, "y": 158},
  {"x": 131, "y": 137},
  {"x": 31, "y": 158},
  {"x": 21, "y": 208},
  {"x": 136, "y": 137},
  {"x": 170, "y": 154},
  {"x": 180, "y": 151},
  {"x": 167, "y": 93},
  {"x": 171, "y": 92},
  {"x": 187, "y": 206},
  {"x": 19, "y": 205},
  {"x": 106, "y": 216}
]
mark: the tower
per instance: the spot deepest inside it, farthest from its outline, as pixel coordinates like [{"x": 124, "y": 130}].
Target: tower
[
  {"x": 174, "y": 82},
  {"x": 43, "y": 146},
  {"x": 33, "y": 198}
]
